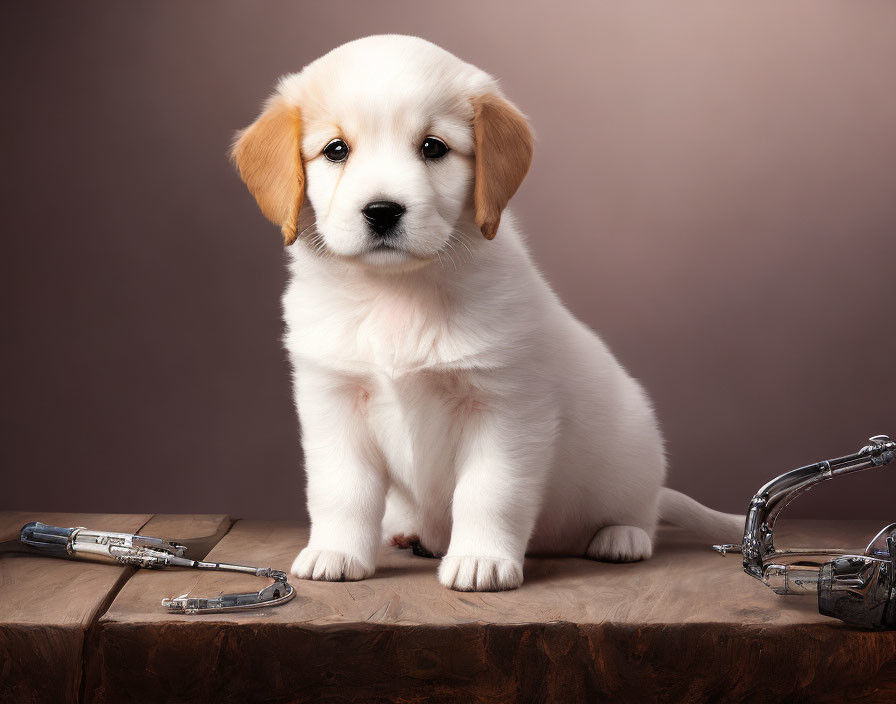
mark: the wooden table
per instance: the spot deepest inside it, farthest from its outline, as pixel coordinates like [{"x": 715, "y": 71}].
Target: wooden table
[{"x": 688, "y": 625}]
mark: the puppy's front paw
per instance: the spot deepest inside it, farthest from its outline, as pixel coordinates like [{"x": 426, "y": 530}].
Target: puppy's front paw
[
  {"x": 329, "y": 566},
  {"x": 468, "y": 573},
  {"x": 620, "y": 544}
]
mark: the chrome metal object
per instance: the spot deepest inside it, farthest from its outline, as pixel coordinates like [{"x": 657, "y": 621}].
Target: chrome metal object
[
  {"x": 858, "y": 589},
  {"x": 153, "y": 553}
]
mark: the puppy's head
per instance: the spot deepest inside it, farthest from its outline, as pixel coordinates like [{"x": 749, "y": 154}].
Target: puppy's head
[{"x": 382, "y": 151}]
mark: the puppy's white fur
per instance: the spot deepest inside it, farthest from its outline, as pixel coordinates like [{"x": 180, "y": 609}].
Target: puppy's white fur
[{"x": 443, "y": 389}]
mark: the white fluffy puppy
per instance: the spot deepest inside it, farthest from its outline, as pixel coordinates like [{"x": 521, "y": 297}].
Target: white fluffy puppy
[{"x": 444, "y": 392}]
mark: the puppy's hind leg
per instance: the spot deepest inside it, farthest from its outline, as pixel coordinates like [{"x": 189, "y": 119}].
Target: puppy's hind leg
[
  {"x": 620, "y": 544},
  {"x": 399, "y": 528}
]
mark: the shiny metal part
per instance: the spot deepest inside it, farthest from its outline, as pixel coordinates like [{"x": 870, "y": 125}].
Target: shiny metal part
[
  {"x": 153, "y": 553},
  {"x": 858, "y": 589},
  {"x": 274, "y": 594}
]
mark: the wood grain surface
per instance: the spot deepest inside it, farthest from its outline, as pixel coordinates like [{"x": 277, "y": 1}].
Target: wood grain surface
[
  {"x": 48, "y": 605},
  {"x": 687, "y": 625}
]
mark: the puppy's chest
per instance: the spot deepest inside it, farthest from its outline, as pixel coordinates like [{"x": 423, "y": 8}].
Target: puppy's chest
[
  {"x": 390, "y": 334},
  {"x": 417, "y": 419},
  {"x": 399, "y": 333}
]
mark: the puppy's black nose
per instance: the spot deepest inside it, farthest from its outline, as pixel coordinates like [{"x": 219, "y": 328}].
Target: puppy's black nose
[{"x": 382, "y": 215}]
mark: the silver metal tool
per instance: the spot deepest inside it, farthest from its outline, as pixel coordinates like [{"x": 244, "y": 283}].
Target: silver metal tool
[
  {"x": 152, "y": 553},
  {"x": 857, "y": 589}
]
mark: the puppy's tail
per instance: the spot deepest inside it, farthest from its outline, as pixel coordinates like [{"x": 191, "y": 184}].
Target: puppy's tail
[{"x": 681, "y": 510}]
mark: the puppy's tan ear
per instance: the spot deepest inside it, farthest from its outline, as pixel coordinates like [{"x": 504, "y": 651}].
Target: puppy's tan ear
[
  {"x": 503, "y": 144},
  {"x": 267, "y": 154}
]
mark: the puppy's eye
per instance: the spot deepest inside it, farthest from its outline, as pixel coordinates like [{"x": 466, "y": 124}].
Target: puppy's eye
[
  {"x": 433, "y": 148},
  {"x": 337, "y": 150}
]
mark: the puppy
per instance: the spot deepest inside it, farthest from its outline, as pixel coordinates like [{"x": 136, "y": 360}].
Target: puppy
[{"x": 445, "y": 394}]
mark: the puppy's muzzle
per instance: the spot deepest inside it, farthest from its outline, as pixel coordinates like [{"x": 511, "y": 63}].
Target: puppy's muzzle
[{"x": 382, "y": 215}]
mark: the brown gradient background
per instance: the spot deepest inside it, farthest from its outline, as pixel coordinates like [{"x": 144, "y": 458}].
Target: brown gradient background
[{"x": 714, "y": 191}]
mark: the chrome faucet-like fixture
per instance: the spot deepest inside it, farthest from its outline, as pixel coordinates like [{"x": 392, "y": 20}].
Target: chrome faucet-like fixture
[{"x": 857, "y": 589}]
